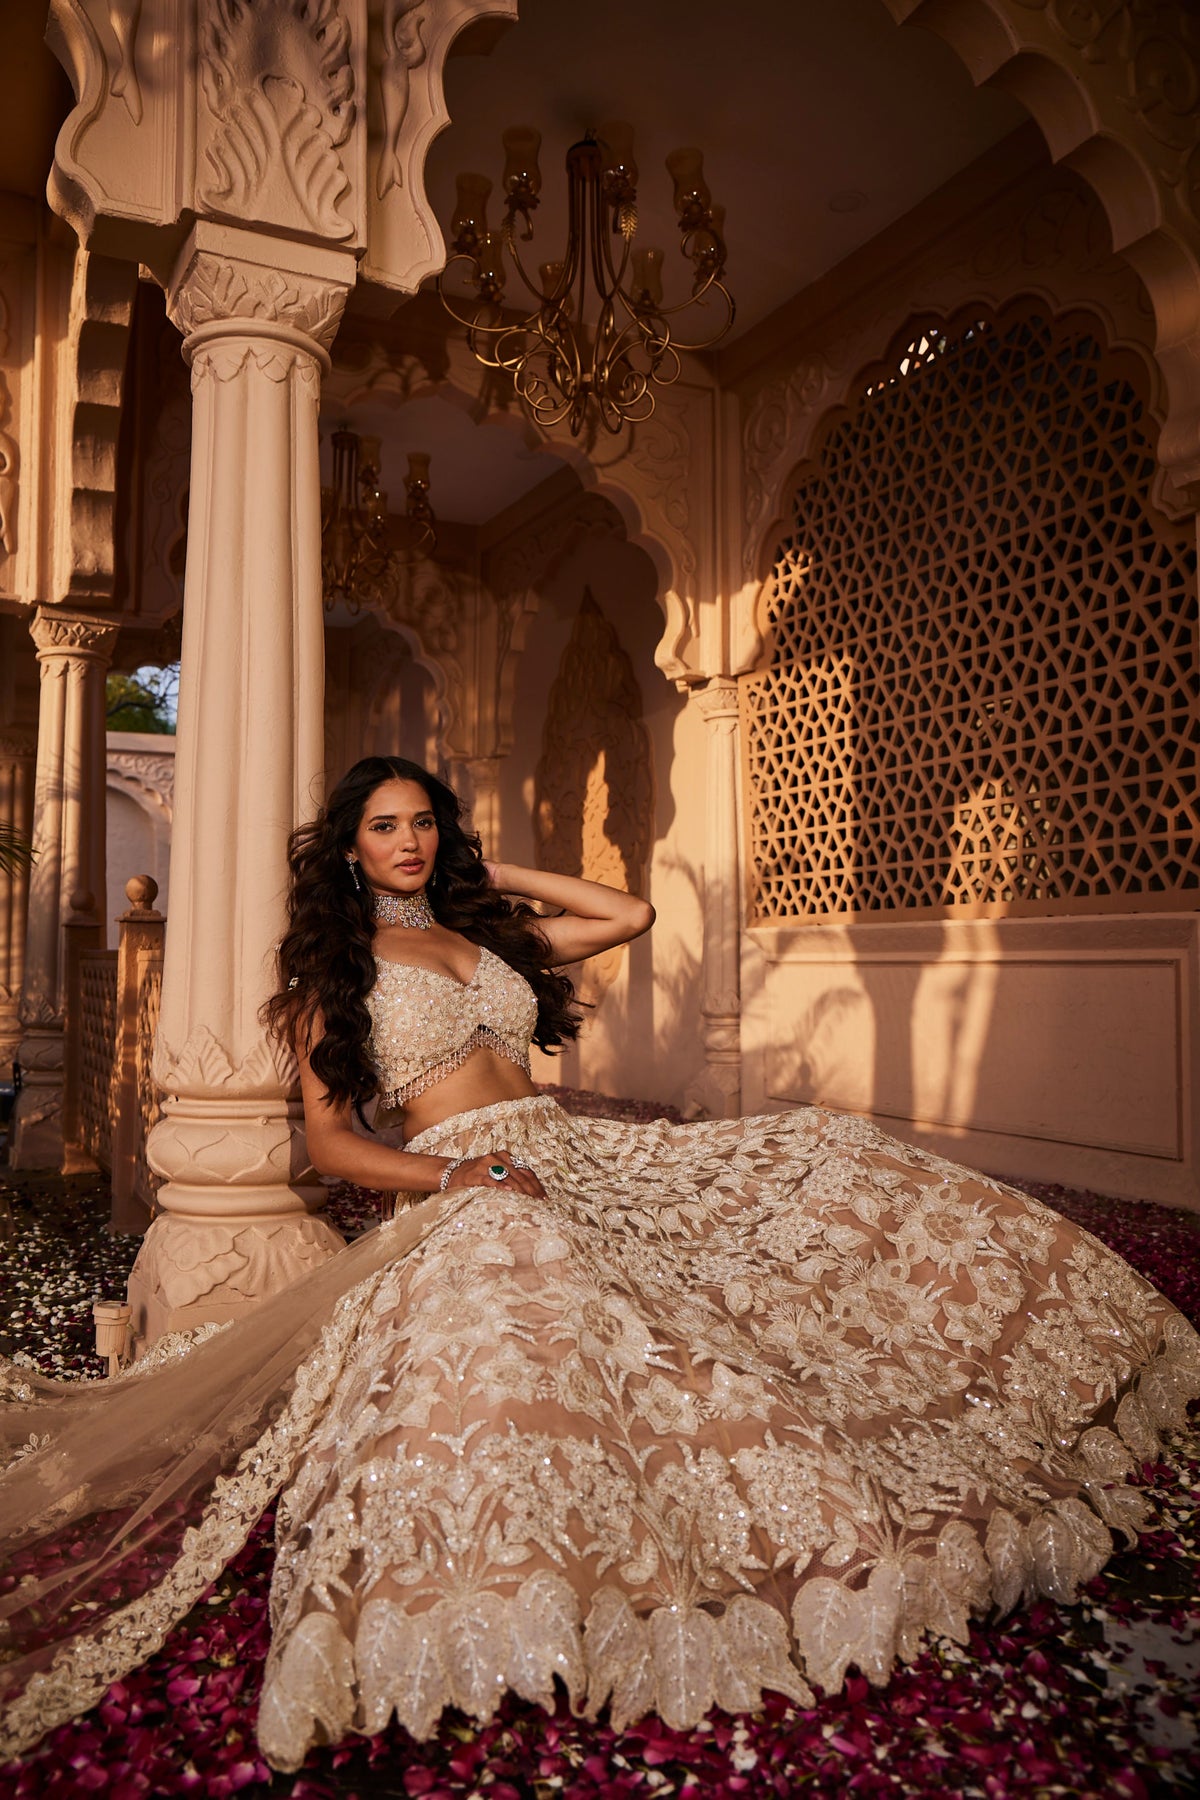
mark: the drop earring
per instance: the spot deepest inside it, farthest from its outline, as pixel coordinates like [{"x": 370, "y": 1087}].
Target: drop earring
[{"x": 352, "y": 863}]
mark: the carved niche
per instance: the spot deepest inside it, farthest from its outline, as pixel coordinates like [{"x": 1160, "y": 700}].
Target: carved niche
[{"x": 594, "y": 783}]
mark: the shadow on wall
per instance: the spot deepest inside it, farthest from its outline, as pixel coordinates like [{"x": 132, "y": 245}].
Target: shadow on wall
[{"x": 657, "y": 1000}]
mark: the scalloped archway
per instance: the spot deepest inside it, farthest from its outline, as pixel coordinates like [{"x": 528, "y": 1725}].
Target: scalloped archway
[{"x": 1115, "y": 90}]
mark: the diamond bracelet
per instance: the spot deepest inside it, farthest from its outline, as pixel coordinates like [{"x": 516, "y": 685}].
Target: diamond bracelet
[{"x": 448, "y": 1171}]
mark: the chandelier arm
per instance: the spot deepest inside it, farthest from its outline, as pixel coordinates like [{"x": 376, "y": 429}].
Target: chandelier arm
[
  {"x": 635, "y": 337},
  {"x": 669, "y": 312},
  {"x": 664, "y": 365},
  {"x": 538, "y": 293},
  {"x": 609, "y": 274},
  {"x": 705, "y": 343}
]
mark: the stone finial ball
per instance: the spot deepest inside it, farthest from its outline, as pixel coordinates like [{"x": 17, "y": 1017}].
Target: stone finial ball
[{"x": 141, "y": 891}]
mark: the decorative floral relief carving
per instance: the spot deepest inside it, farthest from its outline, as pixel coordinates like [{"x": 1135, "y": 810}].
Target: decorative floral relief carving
[
  {"x": 1142, "y": 54},
  {"x": 183, "y": 1261},
  {"x": 153, "y": 771},
  {"x": 660, "y": 451},
  {"x": 65, "y": 634},
  {"x": 214, "y": 289},
  {"x": 772, "y": 426},
  {"x": 593, "y": 812},
  {"x": 204, "y": 1062},
  {"x": 429, "y": 601},
  {"x": 403, "y": 51},
  {"x": 39, "y": 1010},
  {"x": 279, "y": 85}
]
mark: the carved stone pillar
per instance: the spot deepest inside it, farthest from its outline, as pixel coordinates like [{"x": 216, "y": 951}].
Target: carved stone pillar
[
  {"x": 16, "y": 812},
  {"x": 718, "y": 1089},
  {"x": 236, "y": 1220},
  {"x": 68, "y": 878}
]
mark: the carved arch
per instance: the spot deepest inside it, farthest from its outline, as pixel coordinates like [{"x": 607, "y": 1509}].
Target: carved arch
[
  {"x": 950, "y": 324},
  {"x": 648, "y": 483},
  {"x": 409, "y": 649},
  {"x": 972, "y": 624},
  {"x": 1045, "y": 240},
  {"x": 1115, "y": 89}
]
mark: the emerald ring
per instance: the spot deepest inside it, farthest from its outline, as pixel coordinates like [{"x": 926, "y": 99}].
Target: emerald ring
[{"x": 497, "y": 1171}]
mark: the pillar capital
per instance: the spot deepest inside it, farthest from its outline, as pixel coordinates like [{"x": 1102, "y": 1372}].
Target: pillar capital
[
  {"x": 82, "y": 636},
  {"x": 717, "y": 701},
  {"x": 229, "y": 282},
  {"x": 74, "y": 650}
]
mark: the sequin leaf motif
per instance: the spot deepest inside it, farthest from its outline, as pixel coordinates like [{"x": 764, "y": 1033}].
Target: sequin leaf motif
[{"x": 739, "y": 1406}]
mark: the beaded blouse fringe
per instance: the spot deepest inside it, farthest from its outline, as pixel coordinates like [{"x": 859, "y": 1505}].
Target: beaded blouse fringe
[{"x": 482, "y": 1038}]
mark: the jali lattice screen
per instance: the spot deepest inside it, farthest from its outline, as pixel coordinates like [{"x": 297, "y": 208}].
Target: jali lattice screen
[{"x": 981, "y": 684}]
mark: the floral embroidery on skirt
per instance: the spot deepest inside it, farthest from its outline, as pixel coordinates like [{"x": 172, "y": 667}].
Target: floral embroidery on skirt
[{"x": 743, "y": 1403}]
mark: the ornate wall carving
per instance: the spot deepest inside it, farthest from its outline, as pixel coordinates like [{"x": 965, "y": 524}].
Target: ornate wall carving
[
  {"x": 89, "y": 424},
  {"x": 1113, "y": 85},
  {"x": 148, "y": 775},
  {"x": 278, "y": 108},
  {"x": 220, "y": 288},
  {"x": 981, "y": 683},
  {"x": 402, "y": 50},
  {"x": 1048, "y": 237},
  {"x": 593, "y": 810},
  {"x": 256, "y": 114}
]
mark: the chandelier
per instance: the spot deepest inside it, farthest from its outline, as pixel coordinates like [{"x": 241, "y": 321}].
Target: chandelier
[
  {"x": 564, "y": 363},
  {"x": 361, "y": 549}
]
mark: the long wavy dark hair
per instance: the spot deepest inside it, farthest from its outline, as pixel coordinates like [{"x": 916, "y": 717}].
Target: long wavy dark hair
[{"x": 326, "y": 964}]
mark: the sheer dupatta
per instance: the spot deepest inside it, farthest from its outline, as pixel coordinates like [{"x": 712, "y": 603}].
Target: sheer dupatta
[{"x": 122, "y": 1499}]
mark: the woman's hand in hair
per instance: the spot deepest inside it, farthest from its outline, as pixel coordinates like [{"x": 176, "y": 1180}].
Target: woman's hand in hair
[{"x": 590, "y": 917}]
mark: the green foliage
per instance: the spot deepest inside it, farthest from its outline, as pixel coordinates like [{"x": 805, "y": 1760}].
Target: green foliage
[
  {"x": 16, "y": 853},
  {"x": 143, "y": 701}
]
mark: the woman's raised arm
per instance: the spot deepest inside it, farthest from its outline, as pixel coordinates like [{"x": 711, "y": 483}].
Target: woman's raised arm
[{"x": 593, "y": 917}]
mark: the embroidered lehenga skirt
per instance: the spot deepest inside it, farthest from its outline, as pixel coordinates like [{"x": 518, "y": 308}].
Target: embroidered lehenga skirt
[{"x": 739, "y": 1404}]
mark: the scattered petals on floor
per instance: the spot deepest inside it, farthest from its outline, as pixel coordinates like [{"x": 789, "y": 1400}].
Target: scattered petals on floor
[{"x": 1097, "y": 1700}]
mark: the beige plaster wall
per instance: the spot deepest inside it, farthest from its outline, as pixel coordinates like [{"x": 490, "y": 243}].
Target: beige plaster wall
[
  {"x": 1039, "y": 1049},
  {"x": 1047, "y": 1049},
  {"x": 642, "y": 1039}
]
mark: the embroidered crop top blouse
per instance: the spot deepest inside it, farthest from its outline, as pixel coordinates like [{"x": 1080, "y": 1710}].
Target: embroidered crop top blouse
[{"x": 425, "y": 1024}]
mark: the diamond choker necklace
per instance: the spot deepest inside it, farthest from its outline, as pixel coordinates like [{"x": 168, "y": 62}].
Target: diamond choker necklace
[{"x": 403, "y": 909}]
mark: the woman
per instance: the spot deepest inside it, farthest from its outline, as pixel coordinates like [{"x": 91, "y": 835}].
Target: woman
[{"x": 663, "y": 1412}]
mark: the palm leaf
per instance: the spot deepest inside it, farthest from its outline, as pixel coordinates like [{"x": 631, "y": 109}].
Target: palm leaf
[{"x": 16, "y": 852}]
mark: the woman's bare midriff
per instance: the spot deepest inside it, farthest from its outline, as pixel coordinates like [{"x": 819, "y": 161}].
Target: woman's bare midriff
[{"x": 482, "y": 1080}]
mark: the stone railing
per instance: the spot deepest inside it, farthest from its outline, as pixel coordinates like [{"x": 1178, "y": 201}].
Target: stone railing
[
  {"x": 144, "y": 1182},
  {"x": 110, "y": 1100},
  {"x": 97, "y": 1016}
]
